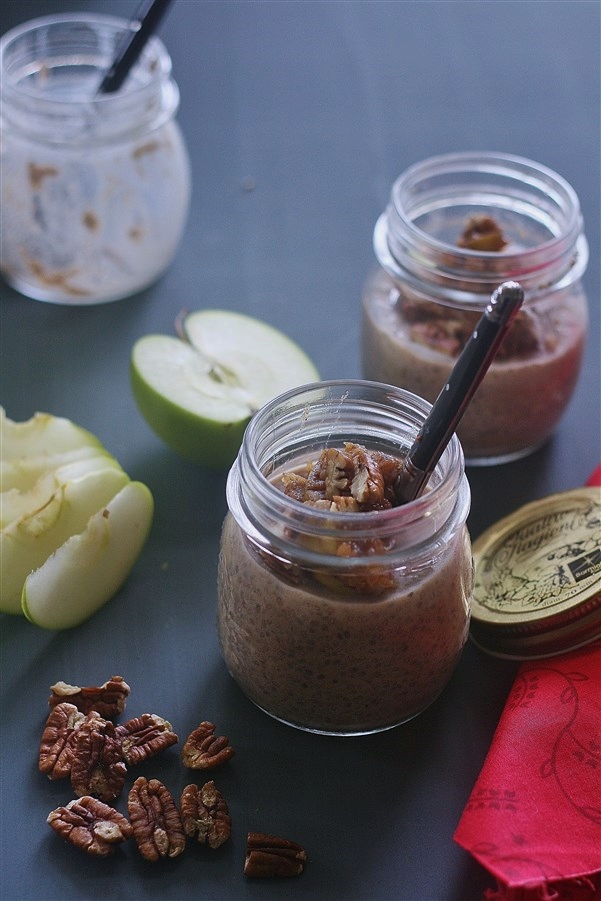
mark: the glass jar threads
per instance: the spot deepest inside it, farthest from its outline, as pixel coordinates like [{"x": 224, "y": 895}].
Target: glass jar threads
[
  {"x": 95, "y": 187},
  {"x": 456, "y": 227},
  {"x": 339, "y": 612}
]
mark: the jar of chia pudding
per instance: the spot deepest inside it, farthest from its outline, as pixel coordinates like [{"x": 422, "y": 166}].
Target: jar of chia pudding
[
  {"x": 341, "y": 611},
  {"x": 95, "y": 186},
  {"x": 456, "y": 227}
]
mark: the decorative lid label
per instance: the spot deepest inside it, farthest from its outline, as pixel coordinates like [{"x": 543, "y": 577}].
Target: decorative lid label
[{"x": 541, "y": 560}]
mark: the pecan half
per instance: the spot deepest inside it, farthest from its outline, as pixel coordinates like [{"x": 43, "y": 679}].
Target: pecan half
[
  {"x": 155, "y": 820},
  {"x": 57, "y": 744},
  {"x": 203, "y": 750},
  {"x": 98, "y": 767},
  {"x": 205, "y": 814},
  {"x": 269, "y": 856},
  {"x": 482, "y": 233},
  {"x": 108, "y": 699},
  {"x": 144, "y": 736},
  {"x": 91, "y": 826}
]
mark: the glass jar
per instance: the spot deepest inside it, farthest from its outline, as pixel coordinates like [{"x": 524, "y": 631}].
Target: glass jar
[
  {"x": 342, "y": 622},
  {"x": 455, "y": 228},
  {"x": 95, "y": 187}
]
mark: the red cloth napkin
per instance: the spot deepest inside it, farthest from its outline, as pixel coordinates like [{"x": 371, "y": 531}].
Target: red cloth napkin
[
  {"x": 595, "y": 477},
  {"x": 533, "y": 818}
]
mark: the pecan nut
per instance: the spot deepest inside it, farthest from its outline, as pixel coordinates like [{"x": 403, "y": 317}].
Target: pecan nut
[
  {"x": 205, "y": 814},
  {"x": 98, "y": 767},
  {"x": 203, "y": 750},
  {"x": 91, "y": 825},
  {"x": 270, "y": 856},
  {"x": 482, "y": 233},
  {"x": 144, "y": 736},
  {"x": 108, "y": 699},
  {"x": 57, "y": 744},
  {"x": 155, "y": 820}
]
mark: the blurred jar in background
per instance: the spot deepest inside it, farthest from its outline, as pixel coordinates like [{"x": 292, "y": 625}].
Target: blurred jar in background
[
  {"x": 456, "y": 227},
  {"x": 95, "y": 187}
]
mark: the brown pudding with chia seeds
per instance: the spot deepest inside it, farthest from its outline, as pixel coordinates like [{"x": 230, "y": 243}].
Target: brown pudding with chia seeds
[
  {"x": 359, "y": 640},
  {"x": 523, "y": 394},
  {"x": 413, "y": 341}
]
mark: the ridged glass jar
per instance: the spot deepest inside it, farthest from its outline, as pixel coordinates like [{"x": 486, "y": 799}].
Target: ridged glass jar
[
  {"x": 336, "y": 622},
  {"x": 95, "y": 187},
  {"x": 440, "y": 260}
]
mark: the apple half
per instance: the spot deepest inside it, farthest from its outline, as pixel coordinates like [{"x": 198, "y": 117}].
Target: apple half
[
  {"x": 87, "y": 570},
  {"x": 199, "y": 392}
]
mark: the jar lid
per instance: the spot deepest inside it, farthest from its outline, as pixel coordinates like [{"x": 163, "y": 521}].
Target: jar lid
[{"x": 537, "y": 589}]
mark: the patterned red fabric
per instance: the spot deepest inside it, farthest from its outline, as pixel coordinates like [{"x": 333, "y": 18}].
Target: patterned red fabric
[{"x": 534, "y": 816}]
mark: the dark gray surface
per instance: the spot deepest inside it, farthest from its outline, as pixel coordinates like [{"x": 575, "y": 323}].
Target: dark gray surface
[{"x": 317, "y": 106}]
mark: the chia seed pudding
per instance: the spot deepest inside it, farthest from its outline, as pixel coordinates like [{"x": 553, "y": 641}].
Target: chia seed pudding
[
  {"x": 336, "y": 663},
  {"x": 525, "y": 391},
  {"x": 340, "y": 610}
]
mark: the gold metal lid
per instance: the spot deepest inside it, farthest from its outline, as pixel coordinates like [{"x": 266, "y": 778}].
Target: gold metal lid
[{"x": 537, "y": 588}]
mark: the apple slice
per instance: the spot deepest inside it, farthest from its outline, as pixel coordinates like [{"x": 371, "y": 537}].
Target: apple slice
[
  {"x": 43, "y": 432},
  {"x": 17, "y": 502},
  {"x": 199, "y": 394},
  {"x": 26, "y": 542},
  {"x": 23, "y": 472},
  {"x": 87, "y": 570}
]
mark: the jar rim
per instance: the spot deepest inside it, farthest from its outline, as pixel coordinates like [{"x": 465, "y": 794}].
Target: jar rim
[
  {"x": 444, "y": 182},
  {"x": 263, "y": 505},
  {"x": 154, "y": 51}
]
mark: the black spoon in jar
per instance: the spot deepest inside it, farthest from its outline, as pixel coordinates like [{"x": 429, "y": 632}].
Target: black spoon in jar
[
  {"x": 144, "y": 25},
  {"x": 452, "y": 402}
]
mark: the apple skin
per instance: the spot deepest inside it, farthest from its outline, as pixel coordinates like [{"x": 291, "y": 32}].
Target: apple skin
[
  {"x": 203, "y": 441},
  {"x": 88, "y": 569}
]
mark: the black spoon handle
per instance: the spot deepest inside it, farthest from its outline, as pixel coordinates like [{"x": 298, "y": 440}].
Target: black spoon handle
[
  {"x": 453, "y": 400},
  {"x": 132, "y": 46}
]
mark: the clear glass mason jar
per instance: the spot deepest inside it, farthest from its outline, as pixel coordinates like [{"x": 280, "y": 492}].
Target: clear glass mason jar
[
  {"x": 95, "y": 187},
  {"x": 326, "y": 638},
  {"x": 456, "y": 227}
]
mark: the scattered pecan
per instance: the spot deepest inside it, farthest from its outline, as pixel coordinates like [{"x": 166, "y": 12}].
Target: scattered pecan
[
  {"x": 205, "y": 814},
  {"x": 482, "y": 233},
  {"x": 57, "y": 745},
  {"x": 144, "y": 736},
  {"x": 155, "y": 819},
  {"x": 269, "y": 856},
  {"x": 108, "y": 699},
  {"x": 98, "y": 767},
  {"x": 91, "y": 826},
  {"x": 203, "y": 750}
]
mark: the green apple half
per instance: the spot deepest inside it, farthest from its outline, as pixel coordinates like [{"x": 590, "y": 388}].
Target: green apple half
[
  {"x": 86, "y": 571},
  {"x": 198, "y": 393}
]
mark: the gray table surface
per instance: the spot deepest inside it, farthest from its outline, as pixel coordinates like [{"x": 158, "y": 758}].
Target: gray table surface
[{"x": 317, "y": 106}]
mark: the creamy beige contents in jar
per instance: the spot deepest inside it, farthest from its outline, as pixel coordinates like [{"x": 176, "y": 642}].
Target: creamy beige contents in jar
[
  {"x": 413, "y": 342},
  {"x": 357, "y": 643}
]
